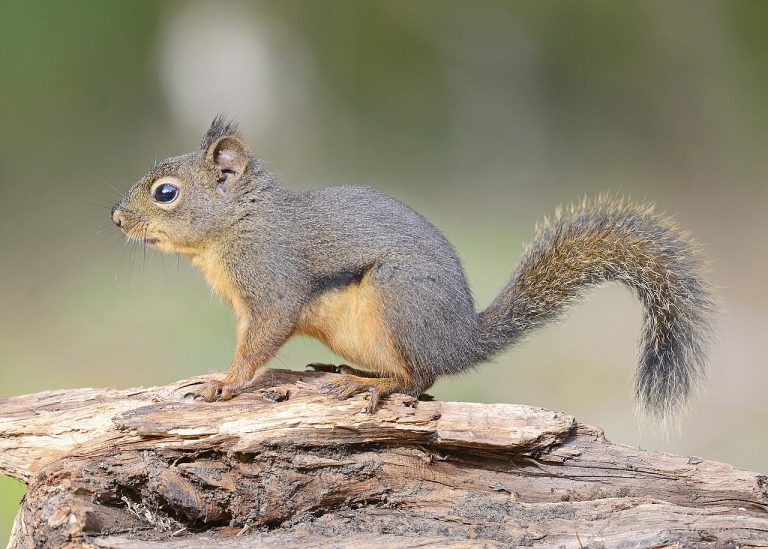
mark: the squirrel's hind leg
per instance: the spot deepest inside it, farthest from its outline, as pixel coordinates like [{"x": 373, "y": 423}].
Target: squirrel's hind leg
[{"x": 349, "y": 385}]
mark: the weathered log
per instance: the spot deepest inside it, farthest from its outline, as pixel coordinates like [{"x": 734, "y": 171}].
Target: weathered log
[{"x": 288, "y": 465}]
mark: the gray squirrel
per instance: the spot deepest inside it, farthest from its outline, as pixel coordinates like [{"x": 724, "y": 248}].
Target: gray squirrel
[{"x": 383, "y": 288}]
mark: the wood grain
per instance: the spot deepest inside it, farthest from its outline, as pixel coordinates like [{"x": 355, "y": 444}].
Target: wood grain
[{"x": 287, "y": 465}]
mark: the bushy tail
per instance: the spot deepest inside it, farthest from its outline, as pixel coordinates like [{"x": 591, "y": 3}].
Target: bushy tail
[{"x": 606, "y": 240}]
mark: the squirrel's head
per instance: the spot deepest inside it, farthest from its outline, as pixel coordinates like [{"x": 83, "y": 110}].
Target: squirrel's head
[{"x": 183, "y": 202}]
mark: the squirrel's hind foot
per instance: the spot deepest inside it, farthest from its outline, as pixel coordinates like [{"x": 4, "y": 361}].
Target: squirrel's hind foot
[
  {"x": 340, "y": 369},
  {"x": 350, "y": 385}
]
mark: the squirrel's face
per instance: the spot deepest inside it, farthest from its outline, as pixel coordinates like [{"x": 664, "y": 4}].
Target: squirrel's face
[{"x": 183, "y": 201}]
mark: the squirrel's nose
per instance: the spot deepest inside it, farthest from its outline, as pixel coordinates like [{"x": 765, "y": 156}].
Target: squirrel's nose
[{"x": 117, "y": 216}]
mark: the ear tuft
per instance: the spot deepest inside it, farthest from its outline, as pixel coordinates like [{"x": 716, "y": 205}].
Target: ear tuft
[{"x": 220, "y": 127}]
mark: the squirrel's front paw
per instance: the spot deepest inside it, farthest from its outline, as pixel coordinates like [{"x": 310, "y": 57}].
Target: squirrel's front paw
[{"x": 215, "y": 390}]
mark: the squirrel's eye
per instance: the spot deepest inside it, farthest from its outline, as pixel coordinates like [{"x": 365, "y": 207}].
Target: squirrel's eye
[{"x": 165, "y": 193}]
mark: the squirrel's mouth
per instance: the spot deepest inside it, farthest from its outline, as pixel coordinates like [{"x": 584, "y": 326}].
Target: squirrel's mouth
[{"x": 151, "y": 240}]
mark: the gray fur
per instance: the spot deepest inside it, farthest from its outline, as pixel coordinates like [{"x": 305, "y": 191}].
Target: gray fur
[
  {"x": 612, "y": 240},
  {"x": 220, "y": 127},
  {"x": 285, "y": 248}
]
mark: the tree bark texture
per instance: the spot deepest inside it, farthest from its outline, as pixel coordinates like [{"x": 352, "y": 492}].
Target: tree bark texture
[{"x": 287, "y": 465}]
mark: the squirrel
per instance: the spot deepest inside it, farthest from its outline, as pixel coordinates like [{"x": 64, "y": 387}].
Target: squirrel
[{"x": 382, "y": 287}]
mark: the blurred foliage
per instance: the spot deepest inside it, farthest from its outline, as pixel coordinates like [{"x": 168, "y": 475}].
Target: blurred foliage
[
  {"x": 12, "y": 491},
  {"x": 482, "y": 115}
]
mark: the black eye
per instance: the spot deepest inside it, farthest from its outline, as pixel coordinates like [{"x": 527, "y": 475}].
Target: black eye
[{"x": 165, "y": 193}]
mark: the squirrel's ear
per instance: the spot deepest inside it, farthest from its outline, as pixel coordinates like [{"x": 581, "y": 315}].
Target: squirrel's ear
[{"x": 230, "y": 156}]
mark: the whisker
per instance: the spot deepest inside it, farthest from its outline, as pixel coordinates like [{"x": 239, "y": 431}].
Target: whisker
[
  {"x": 114, "y": 243},
  {"x": 105, "y": 206},
  {"x": 120, "y": 193},
  {"x": 99, "y": 237},
  {"x": 144, "y": 250},
  {"x": 165, "y": 271},
  {"x": 102, "y": 229}
]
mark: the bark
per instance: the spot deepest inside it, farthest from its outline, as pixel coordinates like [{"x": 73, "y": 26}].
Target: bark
[{"x": 288, "y": 465}]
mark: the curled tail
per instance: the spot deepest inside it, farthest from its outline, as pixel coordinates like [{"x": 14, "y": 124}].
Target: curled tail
[{"x": 613, "y": 240}]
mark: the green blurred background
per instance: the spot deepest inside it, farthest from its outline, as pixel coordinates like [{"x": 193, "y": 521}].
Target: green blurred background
[{"x": 482, "y": 115}]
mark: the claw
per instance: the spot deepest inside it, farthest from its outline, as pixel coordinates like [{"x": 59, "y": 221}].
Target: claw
[
  {"x": 214, "y": 391},
  {"x": 335, "y": 369},
  {"x": 373, "y": 402},
  {"x": 341, "y": 369},
  {"x": 327, "y": 368},
  {"x": 348, "y": 386}
]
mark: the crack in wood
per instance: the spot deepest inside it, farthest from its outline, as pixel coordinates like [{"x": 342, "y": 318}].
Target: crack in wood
[{"x": 289, "y": 465}]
